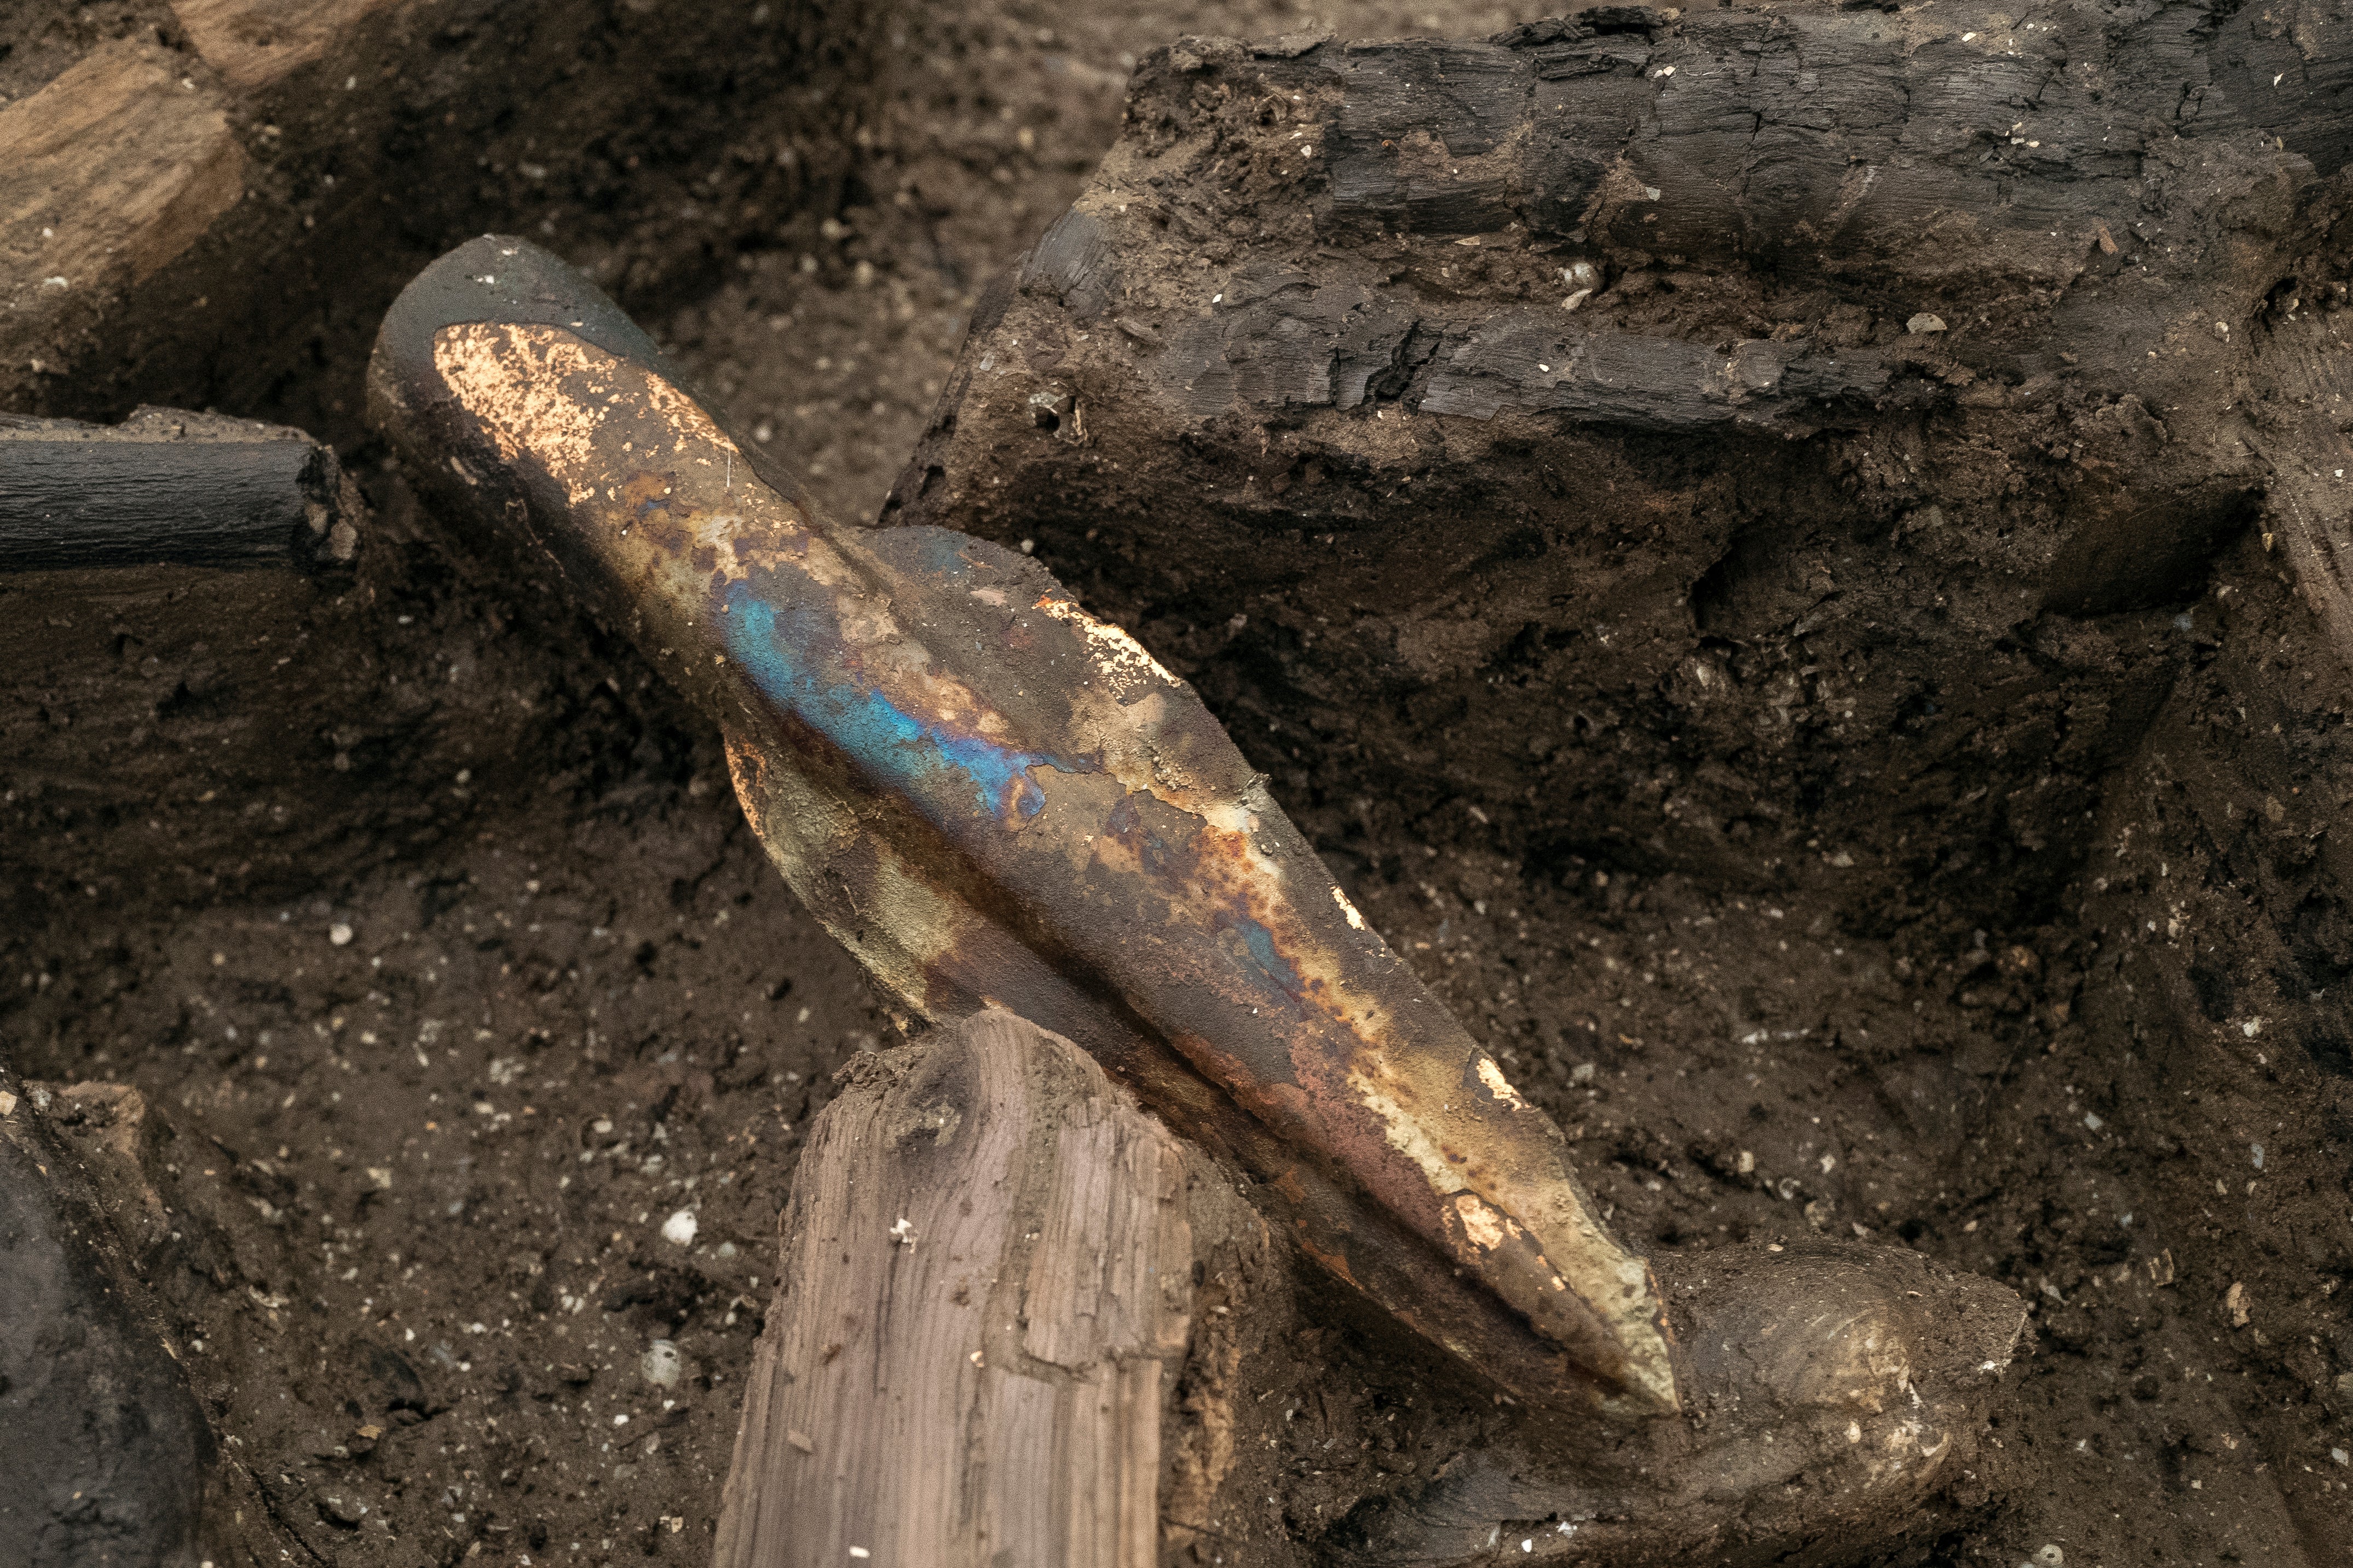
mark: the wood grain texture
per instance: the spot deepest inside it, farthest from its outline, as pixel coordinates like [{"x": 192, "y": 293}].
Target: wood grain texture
[
  {"x": 253, "y": 42},
  {"x": 984, "y": 1294},
  {"x": 170, "y": 486},
  {"x": 107, "y": 174}
]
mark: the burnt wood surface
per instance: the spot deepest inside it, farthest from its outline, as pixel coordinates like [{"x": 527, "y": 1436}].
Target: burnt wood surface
[
  {"x": 168, "y": 487},
  {"x": 1797, "y": 448},
  {"x": 1738, "y": 224}
]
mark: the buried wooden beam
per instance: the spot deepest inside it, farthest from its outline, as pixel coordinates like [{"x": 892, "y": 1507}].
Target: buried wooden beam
[
  {"x": 106, "y": 175},
  {"x": 167, "y": 485},
  {"x": 985, "y": 1293},
  {"x": 1555, "y": 280}
]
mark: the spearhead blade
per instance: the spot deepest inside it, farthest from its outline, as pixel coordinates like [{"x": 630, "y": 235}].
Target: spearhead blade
[{"x": 993, "y": 798}]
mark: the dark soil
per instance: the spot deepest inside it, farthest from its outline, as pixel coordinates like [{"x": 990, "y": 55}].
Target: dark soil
[{"x": 426, "y": 924}]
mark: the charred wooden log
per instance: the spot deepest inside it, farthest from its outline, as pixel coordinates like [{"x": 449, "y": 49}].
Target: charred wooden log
[
  {"x": 2118, "y": 243},
  {"x": 172, "y": 487}
]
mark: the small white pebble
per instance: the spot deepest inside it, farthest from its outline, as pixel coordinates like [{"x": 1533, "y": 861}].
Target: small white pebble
[
  {"x": 1925, "y": 322},
  {"x": 679, "y": 1229},
  {"x": 902, "y": 1233},
  {"x": 7, "y": 1104},
  {"x": 2048, "y": 1555},
  {"x": 859, "y": 1551},
  {"x": 661, "y": 1364},
  {"x": 622, "y": 1419},
  {"x": 2093, "y": 1122},
  {"x": 2340, "y": 1457},
  {"x": 340, "y": 934}
]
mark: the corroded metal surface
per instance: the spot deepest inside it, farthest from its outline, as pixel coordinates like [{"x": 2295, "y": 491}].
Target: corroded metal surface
[{"x": 993, "y": 798}]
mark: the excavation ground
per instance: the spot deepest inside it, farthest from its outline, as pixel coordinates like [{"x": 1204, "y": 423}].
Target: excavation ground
[{"x": 478, "y": 1035}]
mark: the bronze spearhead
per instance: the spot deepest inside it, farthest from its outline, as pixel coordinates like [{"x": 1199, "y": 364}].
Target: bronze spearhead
[{"x": 993, "y": 798}]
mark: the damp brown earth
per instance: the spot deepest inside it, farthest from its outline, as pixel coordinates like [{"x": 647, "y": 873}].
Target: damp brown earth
[{"x": 477, "y": 1036}]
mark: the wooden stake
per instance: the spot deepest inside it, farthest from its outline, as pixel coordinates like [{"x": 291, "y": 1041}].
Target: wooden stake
[{"x": 985, "y": 1292}]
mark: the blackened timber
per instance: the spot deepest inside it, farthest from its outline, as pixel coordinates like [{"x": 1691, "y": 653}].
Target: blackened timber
[{"x": 171, "y": 487}]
